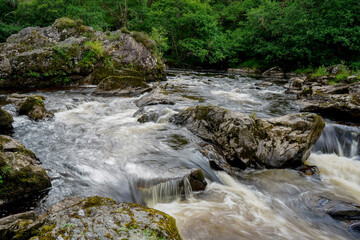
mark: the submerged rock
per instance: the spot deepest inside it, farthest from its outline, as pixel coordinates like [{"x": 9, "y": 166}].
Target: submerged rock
[
  {"x": 6, "y": 121},
  {"x": 345, "y": 212},
  {"x": 68, "y": 52},
  {"x": 159, "y": 95},
  {"x": 249, "y": 141},
  {"x": 34, "y": 107},
  {"x": 20, "y": 171},
  {"x": 95, "y": 218}
]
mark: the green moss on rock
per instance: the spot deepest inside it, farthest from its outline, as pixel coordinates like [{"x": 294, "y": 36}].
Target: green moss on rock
[{"x": 6, "y": 121}]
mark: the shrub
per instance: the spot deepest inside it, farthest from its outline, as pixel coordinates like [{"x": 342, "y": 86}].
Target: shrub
[{"x": 320, "y": 71}]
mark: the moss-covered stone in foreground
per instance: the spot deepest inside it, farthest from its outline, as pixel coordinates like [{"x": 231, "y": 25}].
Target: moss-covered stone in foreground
[
  {"x": 97, "y": 218},
  {"x": 20, "y": 172},
  {"x": 6, "y": 121}
]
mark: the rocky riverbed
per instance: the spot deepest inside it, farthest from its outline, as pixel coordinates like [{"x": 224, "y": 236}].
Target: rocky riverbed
[{"x": 128, "y": 149}]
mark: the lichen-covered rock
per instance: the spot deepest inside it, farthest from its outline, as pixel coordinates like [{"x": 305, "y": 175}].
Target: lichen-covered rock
[
  {"x": 6, "y": 121},
  {"x": 340, "y": 107},
  {"x": 68, "y": 52},
  {"x": 249, "y": 141},
  {"x": 34, "y": 107},
  {"x": 97, "y": 218},
  {"x": 20, "y": 171}
]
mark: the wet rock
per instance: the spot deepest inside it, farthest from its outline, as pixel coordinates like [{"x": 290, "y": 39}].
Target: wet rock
[
  {"x": 245, "y": 71},
  {"x": 6, "y": 121},
  {"x": 216, "y": 159},
  {"x": 20, "y": 170},
  {"x": 33, "y": 107},
  {"x": 98, "y": 218},
  {"x": 159, "y": 95},
  {"x": 197, "y": 180},
  {"x": 275, "y": 72},
  {"x": 346, "y": 213},
  {"x": 338, "y": 209},
  {"x": 68, "y": 52},
  {"x": 264, "y": 84},
  {"x": 310, "y": 171},
  {"x": 340, "y": 107},
  {"x": 249, "y": 141}
]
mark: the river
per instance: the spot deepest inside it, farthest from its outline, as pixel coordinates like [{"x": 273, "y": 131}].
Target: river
[{"x": 95, "y": 146}]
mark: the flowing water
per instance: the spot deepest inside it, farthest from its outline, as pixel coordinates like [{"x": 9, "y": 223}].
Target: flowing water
[{"x": 96, "y": 146}]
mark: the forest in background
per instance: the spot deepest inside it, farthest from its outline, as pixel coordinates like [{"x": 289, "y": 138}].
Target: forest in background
[{"x": 294, "y": 34}]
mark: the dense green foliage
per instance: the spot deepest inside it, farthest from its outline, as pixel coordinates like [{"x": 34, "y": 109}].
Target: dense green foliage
[{"x": 251, "y": 33}]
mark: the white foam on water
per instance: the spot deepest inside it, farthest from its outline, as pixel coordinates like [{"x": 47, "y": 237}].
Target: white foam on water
[
  {"x": 340, "y": 173},
  {"x": 235, "y": 95}
]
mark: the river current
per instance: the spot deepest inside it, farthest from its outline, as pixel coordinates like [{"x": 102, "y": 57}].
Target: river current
[{"x": 95, "y": 146}]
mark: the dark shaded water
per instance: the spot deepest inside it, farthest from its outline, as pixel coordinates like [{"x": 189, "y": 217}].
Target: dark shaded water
[{"x": 95, "y": 146}]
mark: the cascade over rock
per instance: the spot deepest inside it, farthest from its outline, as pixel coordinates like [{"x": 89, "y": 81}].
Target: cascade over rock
[
  {"x": 68, "y": 52},
  {"x": 249, "y": 141}
]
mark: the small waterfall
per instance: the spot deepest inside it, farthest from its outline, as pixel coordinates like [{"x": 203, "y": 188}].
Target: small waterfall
[
  {"x": 339, "y": 139},
  {"x": 167, "y": 192}
]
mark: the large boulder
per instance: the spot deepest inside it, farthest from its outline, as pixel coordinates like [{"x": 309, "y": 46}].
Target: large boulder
[
  {"x": 21, "y": 173},
  {"x": 6, "y": 121},
  {"x": 34, "y": 107},
  {"x": 249, "y": 141},
  {"x": 68, "y": 52},
  {"x": 93, "y": 218}
]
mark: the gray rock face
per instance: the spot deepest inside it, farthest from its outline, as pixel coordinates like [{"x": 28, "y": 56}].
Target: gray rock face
[
  {"x": 275, "y": 72},
  {"x": 6, "y": 121},
  {"x": 95, "y": 218},
  {"x": 248, "y": 141},
  {"x": 20, "y": 171},
  {"x": 34, "y": 107},
  {"x": 69, "y": 52}
]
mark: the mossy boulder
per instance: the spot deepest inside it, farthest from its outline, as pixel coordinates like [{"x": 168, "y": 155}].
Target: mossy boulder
[
  {"x": 253, "y": 142},
  {"x": 96, "y": 218},
  {"x": 34, "y": 107},
  {"x": 20, "y": 171},
  {"x": 122, "y": 86},
  {"x": 6, "y": 121},
  {"x": 70, "y": 53}
]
